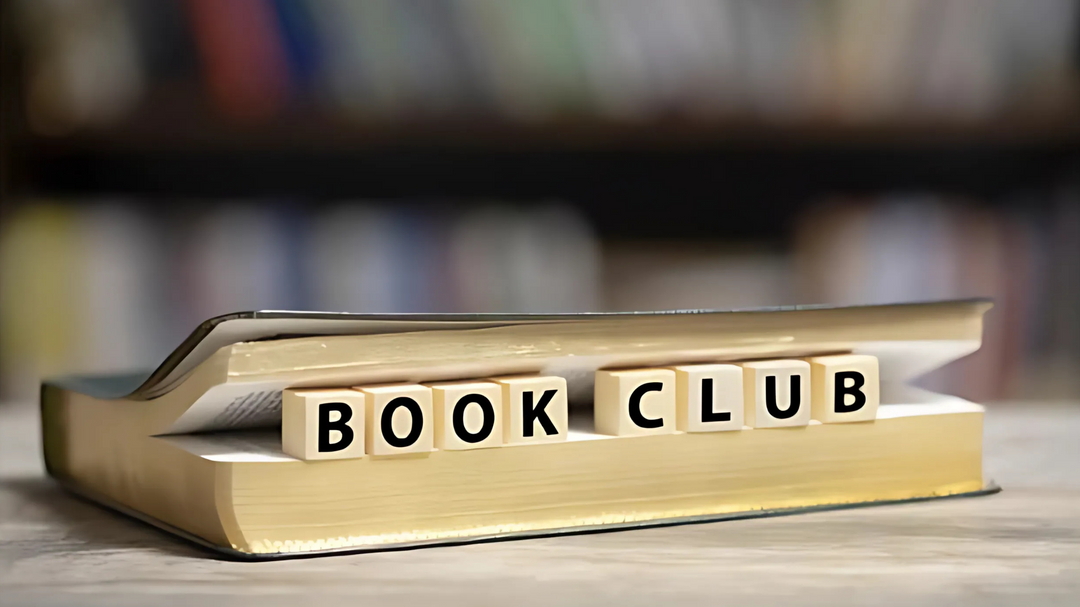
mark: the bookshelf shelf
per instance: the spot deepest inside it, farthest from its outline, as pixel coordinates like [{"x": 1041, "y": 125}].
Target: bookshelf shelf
[
  {"x": 174, "y": 123},
  {"x": 614, "y": 172}
]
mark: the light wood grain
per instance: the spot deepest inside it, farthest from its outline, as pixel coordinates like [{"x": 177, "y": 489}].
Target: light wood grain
[{"x": 1019, "y": 547}]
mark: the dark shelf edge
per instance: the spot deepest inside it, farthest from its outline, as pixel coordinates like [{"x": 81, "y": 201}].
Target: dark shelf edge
[{"x": 632, "y": 191}]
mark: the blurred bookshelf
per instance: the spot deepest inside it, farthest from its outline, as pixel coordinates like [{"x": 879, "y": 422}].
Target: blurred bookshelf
[
  {"x": 614, "y": 109},
  {"x": 717, "y": 153}
]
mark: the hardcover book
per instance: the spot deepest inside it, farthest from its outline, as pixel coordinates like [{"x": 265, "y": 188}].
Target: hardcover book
[{"x": 270, "y": 434}]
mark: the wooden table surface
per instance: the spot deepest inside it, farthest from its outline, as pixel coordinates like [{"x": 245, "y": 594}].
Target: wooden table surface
[{"x": 1020, "y": 547}]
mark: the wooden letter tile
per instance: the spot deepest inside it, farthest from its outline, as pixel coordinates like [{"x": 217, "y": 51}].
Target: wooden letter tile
[
  {"x": 844, "y": 388},
  {"x": 534, "y": 409},
  {"x": 322, "y": 424},
  {"x": 708, "y": 398},
  {"x": 776, "y": 393},
  {"x": 468, "y": 415},
  {"x": 399, "y": 419},
  {"x": 634, "y": 402}
]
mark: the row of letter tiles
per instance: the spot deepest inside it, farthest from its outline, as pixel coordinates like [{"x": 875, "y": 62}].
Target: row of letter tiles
[
  {"x": 720, "y": 397},
  {"x": 412, "y": 418},
  {"x": 473, "y": 414}
]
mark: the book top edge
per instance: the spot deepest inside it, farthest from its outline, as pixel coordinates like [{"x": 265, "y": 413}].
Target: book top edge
[{"x": 239, "y": 327}]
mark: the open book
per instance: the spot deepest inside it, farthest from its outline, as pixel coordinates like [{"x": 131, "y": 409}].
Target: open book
[{"x": 195, "y": 446}]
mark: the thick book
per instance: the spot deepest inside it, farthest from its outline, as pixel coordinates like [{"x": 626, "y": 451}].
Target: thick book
[{"x": 195, "y": 447}]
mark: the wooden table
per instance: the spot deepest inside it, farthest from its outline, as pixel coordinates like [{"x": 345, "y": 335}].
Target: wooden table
[{"x": 1021, "y": 547}]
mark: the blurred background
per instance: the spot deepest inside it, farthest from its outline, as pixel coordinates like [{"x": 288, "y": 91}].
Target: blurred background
[{"x": 166, "y": 161}]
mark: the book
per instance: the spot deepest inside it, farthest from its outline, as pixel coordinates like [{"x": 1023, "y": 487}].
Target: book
[{"x": 195, "y": 446}]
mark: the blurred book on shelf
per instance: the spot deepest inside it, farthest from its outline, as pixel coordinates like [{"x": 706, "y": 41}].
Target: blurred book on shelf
[
  {"x": 100, "y": 286},
  {"x": 101, "y": 63}
]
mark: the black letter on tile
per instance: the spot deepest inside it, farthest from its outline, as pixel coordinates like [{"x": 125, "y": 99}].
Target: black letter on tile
[
  {"x": 795, "y": 398},
  {"x": 855, "y": 389},
  {"x": 635, "y": 405},
  {"x": 459, "y": 418},
  {"x": 531, "y": 414},
  {"x": 341, "y": 424},
  {"x": 387, "y": 422},
  {"x": 707, "y": 413}
]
